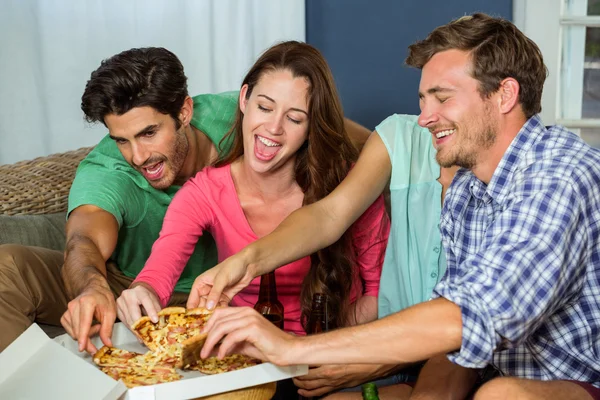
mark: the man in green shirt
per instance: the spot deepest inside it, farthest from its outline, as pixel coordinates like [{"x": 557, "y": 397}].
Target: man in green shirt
[{"x": 158, "y": 138}]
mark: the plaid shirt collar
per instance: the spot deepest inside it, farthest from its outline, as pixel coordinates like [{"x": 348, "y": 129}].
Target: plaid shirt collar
[{"x": 498, "y": 188}]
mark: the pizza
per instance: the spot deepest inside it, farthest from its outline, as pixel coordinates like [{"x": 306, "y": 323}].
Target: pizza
[
  {"x": 176, "y": 329},
  {"x": 212, "y": 365},
  {"x": 174, "y": 326},
  {"x": 134, "y": 369}
]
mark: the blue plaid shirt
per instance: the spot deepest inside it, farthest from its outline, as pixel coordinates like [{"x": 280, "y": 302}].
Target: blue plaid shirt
[{"x": 523, "y": 257}]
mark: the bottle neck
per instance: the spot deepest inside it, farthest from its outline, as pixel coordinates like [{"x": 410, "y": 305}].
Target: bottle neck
[
  {"x": 318, "y": 319},
  {"x": 268, "y": 287}
]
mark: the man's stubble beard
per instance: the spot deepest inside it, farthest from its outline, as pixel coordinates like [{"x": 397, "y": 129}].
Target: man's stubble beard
[
  {"x": 175, "y": 160},
  {"x": 468, "y": 157}
]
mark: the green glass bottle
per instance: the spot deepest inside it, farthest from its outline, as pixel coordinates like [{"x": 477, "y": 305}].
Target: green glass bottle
[{"x": 369, "y": 391}]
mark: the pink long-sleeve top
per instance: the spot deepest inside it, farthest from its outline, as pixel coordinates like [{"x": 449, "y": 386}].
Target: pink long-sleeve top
[{"x": 209, "y": 202}]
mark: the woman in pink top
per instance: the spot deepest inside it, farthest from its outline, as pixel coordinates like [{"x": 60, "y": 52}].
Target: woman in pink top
[{"x": 289, "y": 149}]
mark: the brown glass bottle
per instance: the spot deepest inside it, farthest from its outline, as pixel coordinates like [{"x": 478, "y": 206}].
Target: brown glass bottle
[
  {"x": 268, "y": 304},
  {"x": 318, "y": 320}
]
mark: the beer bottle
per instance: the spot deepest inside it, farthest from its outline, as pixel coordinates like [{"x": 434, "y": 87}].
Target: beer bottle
[
  {"x": 267, "y": 303},
  {"x": 369, "y": 391},
  {"x": 318, "y": 320}
]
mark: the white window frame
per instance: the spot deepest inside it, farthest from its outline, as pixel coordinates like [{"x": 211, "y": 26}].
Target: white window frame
[{"x": 544, "y": 21}]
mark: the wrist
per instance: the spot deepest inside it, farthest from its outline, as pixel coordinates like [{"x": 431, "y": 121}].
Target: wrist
[{"x": 250, "y": 260}]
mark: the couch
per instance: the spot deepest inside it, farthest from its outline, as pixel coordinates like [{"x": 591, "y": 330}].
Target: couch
[
  {"x": 33, "y": 203},
  {"x": 33, "y": 199}
]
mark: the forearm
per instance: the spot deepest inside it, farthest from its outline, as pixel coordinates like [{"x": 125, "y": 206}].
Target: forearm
[
  {"x": 363, "y": 310},
  {"x": 303, "y": 232},
  {"x": 441, "y": 379},
  {"x": 417, "y": 333},
  {"x": 84, "y": 267}
]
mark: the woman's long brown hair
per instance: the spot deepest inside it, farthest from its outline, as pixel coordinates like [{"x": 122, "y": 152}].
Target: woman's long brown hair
[{"x": 321, "y": 164}]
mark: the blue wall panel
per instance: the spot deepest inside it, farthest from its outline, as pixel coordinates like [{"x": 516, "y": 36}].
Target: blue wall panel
[{"x": 365, "y": 43}]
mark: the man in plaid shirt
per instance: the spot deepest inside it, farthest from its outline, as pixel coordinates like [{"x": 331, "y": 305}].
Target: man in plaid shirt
[{"x": 520, "y": 225}]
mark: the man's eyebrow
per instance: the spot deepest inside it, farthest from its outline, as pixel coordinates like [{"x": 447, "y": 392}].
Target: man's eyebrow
[
  {"x": 436, "y": 89},
  {"x": 145, "y": 131},
  {"x": 273, "y": 101}
]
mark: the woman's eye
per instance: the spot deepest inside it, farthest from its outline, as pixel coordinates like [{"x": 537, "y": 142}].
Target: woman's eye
[
  {"x": 295, "y": 121},
  {"x": 261, "y": 108}
]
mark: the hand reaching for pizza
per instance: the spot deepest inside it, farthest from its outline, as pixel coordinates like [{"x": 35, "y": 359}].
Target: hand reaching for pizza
[
  {"x": 243, "y": 330},
  {"x": 96, "y": 302},
  {"x": 131, "y": 301},
  {"x": 218, "y": 285}
]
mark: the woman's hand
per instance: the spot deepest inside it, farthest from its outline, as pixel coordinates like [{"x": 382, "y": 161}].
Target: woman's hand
[
  {"x": 218, "y": 285},
  {"x": 243, "y": 330},
  {"x": 131, "y": 301}
]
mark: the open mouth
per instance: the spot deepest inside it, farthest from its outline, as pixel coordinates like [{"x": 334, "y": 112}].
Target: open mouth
[
  {"x": 444, "y": 133},
  {"x": 154, "y": 171},
  {"x": 265, "y": 149}
]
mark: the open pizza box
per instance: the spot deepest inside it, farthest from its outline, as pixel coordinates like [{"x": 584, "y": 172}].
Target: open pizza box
[{"x": 37, "y": 367}]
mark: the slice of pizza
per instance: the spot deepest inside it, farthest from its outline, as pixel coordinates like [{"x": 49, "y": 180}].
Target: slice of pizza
[
  {"x": 213, "y": 365},
  {"x": 134, "y": 369},
  {"x": 133, "y": 376},
  {"x": 113, "y": 357},
  {"x": 175, "y": 325}
]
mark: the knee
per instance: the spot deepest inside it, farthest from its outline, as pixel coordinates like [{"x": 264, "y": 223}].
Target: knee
[
  {"x": 503, "y": 388},
  {"x": 11, "y": 256}
]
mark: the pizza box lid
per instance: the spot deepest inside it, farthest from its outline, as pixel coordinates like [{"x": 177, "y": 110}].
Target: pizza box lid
[
  {"x": 36, "y": 367},
  {"x": 59, "y": 370}
]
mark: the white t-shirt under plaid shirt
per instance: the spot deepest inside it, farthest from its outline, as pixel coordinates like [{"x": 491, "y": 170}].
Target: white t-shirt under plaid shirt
[{"x": 523, "y": 255}]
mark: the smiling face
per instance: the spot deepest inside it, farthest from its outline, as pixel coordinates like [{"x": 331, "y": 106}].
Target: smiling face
[
  {"x": 462, "y": 123},
  {"x": 275, "y": 123},
  {"x": 150, "y": 143}
]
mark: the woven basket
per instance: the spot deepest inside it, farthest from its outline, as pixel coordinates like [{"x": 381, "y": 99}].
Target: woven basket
[{"x": 39, "y": 186}]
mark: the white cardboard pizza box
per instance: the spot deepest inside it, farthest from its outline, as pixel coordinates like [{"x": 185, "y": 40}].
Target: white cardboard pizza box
[{"x": 36, "y": 367}]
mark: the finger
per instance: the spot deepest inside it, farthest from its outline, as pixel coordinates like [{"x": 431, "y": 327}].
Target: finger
[
  {"x": 313, "y": 373},
  {"x": 220, "y": 282},
  {"x": 194, "y": 299},
  {"x": 221, "y": 315},
  {"x": 217, "y": 327},
  {"x": 65, "y": 321},
  {"x": 106, "y": 327},
  {"x": 90, "y": 347},
  {"x": 311, "y": 384},
  {"x": 151, "y": 307},
  {"x": 317, "y": 392},
  {"x": 238, "y": 340},
  {"x": 86, "y": 314},
  {"x": 122, "y": 312}
]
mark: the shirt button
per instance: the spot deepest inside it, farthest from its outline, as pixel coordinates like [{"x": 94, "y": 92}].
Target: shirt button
[
  {"x": 433, "y": 275},
  {"x": 436, "y": 249}
]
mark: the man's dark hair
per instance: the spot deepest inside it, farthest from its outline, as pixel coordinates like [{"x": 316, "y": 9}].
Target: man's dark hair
[
  {"x": 151, "y": 76},
  {"x": 498, "y": 50}
]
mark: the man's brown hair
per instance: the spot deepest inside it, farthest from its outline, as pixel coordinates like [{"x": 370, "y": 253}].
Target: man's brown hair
[{"x": 498, "y": 49}]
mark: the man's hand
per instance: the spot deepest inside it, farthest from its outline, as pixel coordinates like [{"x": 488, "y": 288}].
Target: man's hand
[
  {"x": 95, "y": 302},
  {"x": 218, "y": 285},
  {"x": 245, "y": 331},
  {"x": 327, "y": 378},
  {"x": 131, "y": 300}
]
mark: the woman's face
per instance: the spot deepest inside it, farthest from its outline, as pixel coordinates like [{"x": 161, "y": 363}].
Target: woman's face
[{"x": 275, "y": 121}]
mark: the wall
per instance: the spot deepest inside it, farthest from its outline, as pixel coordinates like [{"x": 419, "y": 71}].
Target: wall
[{"x": 365, "y": 44}]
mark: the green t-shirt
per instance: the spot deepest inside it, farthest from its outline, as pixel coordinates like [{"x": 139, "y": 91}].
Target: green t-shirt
[{"x": 106, "y": 180}]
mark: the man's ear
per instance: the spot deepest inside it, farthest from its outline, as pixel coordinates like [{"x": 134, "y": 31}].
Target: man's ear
[
  {"x": 187, "y": 111},
  {"x": 243, "y": 99},
  {"x": 509, "y": 95}
]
